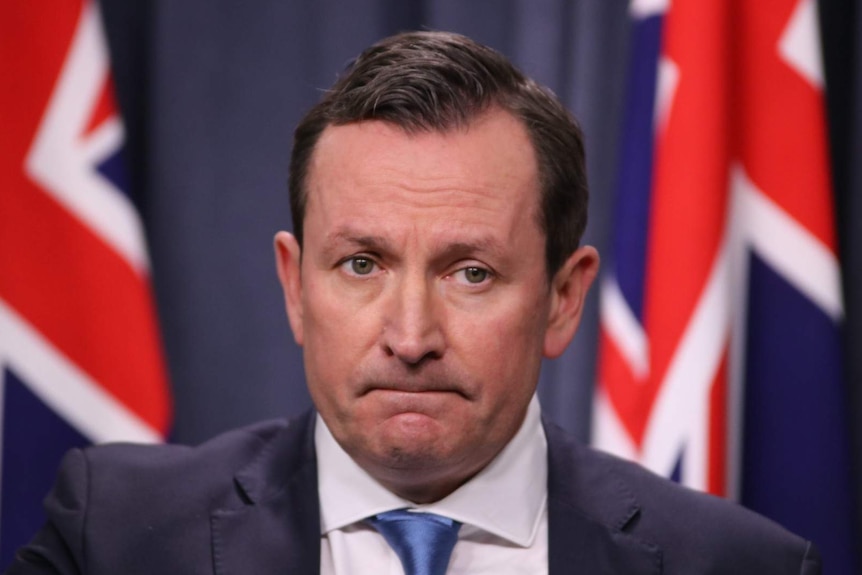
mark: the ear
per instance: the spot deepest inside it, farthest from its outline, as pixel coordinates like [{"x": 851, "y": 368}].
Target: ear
[
  {"x": 568, "y": 290},
  {"x": 287, "y": 262}
]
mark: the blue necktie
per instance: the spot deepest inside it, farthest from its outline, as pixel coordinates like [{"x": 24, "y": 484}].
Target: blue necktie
[{"x": 423, "y": 541}]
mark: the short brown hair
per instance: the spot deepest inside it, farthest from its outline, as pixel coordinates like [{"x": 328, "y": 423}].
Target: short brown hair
[{"x": 437, "y": 81}]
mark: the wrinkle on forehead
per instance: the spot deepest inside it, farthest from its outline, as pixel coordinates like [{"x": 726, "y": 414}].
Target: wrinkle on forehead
[
  {"x": 448, "y": 190},
  {"x": 432, "y": 162},
  {"x": 405, "y": 209}
]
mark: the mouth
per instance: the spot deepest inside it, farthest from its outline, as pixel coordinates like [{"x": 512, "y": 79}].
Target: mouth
[
  {"x": 414, "y": 405},
  {"x": 412, "y": 389}
]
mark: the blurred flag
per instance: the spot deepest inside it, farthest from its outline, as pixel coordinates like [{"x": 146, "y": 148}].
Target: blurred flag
[
  {"x": 80, "y": 357},
  {"x": 721, "y": 314}
]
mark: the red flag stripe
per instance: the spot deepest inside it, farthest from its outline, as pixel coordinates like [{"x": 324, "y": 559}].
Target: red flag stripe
[
  {"x": 784, "y": 152},
  {"x": 689, "y": 199},
  {"x": 104, "y": 110},
  {"x": 83, "y": 297}
]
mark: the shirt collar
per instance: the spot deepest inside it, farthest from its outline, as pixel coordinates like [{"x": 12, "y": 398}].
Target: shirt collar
[{"x": 518, "y": 476}]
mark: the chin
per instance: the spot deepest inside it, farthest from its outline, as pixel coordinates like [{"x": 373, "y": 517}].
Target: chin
[{"x": 411, "y": 443}]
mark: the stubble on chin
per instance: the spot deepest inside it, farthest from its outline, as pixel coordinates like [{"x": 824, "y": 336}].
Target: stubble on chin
[{"x": 418, "y": 473}]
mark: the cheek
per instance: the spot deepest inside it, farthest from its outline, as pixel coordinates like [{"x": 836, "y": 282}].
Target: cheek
[
  {"x": 505, "y": 350},
  {"x": 338, "y": 335},
  {"x": 327, "y": 340}
]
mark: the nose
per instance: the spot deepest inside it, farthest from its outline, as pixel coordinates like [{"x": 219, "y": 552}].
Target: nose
[{"x": 413, "y": 326}]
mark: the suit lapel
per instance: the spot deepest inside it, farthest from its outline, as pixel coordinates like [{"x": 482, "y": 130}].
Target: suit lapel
[
  {"x": 274, "y": 524},
  {"x": 589, "y": 513}
]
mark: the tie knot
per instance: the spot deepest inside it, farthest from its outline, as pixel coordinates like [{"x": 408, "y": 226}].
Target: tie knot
[{"x": 422, "y": 541}]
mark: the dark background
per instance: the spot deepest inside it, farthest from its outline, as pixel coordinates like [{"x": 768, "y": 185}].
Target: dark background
[{"x": 211, "y": 91}]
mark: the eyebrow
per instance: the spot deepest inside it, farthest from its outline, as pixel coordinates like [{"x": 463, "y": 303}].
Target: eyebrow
[
  {"x": 336, "y": 241},
  {"x": 477, "y": 246}
]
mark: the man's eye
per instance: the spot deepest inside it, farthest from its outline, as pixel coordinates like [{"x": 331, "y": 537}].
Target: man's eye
[
  {"x": 474, "y": 275},
  {"x": 360, "y": 266}
]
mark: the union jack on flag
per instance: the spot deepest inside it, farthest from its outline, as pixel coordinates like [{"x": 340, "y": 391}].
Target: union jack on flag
[
  {"x": 80, "y": 356},
  {"x": 720, "y": 317}
]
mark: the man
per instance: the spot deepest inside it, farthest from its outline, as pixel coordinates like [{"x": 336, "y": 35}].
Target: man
[{"x": 438, "y": 199}]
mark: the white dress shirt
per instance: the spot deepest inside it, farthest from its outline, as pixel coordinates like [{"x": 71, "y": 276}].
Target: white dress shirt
[{"x": 503, "y": 510}]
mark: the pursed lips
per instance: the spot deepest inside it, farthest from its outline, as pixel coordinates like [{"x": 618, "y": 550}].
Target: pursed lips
[{"x": 412, "y": 388}]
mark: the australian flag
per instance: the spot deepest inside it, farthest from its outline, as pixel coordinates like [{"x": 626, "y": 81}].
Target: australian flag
[
  {"x": 721, "y": 313},
  {"x": 80, "y": 356}
]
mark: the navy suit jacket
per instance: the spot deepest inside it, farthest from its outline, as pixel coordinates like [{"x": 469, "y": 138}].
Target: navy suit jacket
[{"x": 246, "y": 503}]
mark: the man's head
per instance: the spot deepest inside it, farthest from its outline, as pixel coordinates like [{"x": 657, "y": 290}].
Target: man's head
[
  {"x": 437, "y": 81},
  {"x": 424, "y": 292}
]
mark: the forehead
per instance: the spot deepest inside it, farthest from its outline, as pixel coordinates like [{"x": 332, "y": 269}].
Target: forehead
[{"x": 487, "y": 169}]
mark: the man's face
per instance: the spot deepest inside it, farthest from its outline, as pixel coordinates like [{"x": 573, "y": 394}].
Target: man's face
[{"x": 422, "y": 301}]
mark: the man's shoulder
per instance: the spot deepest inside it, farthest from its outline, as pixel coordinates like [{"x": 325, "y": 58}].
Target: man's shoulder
[
  {"x": 214, "y": 458},
  {"x": 663, "y": 498},
  {"x": 122, "y": 476},
  {"x": 220, "y": 453},
  {"x": 694, "y": 531},
  {"x": 144, "y": 508}
]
